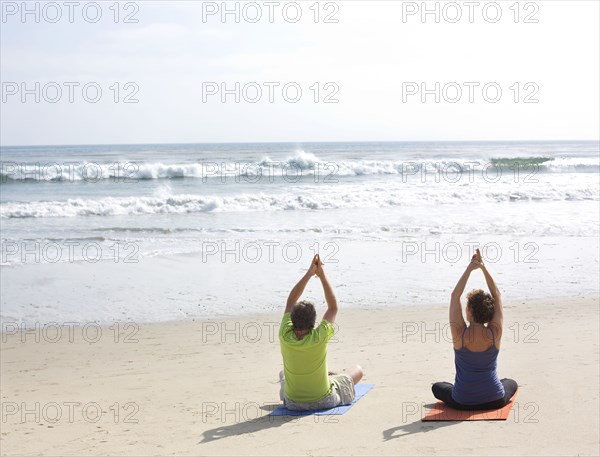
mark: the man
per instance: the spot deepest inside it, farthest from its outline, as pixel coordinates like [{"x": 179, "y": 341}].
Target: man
[{"x": 305, "y": 381}]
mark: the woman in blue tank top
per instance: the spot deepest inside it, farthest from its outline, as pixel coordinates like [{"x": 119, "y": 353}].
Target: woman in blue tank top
[{"x": 476, "y": 348}]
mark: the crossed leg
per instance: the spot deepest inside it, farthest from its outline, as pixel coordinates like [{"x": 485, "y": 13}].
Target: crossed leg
[{"x": 356, "y": 373}]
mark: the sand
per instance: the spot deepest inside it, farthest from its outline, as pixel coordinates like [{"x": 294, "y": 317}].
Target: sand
[{"x": 206, "y": 387}]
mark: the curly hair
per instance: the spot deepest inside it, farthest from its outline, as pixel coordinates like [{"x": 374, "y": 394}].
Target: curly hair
[
  {"x": 481, "y": 304},
  {"x": 304, "y": 315}
]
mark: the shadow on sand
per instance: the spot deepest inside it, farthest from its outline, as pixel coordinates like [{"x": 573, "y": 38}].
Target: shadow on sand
[
  {"x": 250, "y": 426},
  {"x": 417, "y": 426}
]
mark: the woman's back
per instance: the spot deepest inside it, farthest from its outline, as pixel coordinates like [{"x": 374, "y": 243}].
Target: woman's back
[{"x": 476, "y": 379}]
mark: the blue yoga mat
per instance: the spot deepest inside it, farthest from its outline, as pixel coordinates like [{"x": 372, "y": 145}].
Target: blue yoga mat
[{"x": 359, "y": 389}]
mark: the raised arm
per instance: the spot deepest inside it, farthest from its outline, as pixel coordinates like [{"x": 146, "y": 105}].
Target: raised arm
[
  {"x": 332, "y": 306},
  {"x": 457, "y": 321},
  {"x": 498, "y": 318},
  {"x": 298, "y": 289}
]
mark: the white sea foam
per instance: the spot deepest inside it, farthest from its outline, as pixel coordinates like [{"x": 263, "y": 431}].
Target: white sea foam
[
  {"x": 165, "y": 202},
  {"x": 302, "y": 162}
]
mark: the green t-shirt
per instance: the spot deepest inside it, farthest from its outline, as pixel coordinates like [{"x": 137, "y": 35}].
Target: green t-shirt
[{"x": 305, "y": 361}]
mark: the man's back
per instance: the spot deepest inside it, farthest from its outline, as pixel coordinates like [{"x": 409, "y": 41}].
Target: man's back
[{"x": 305, "y": 361}]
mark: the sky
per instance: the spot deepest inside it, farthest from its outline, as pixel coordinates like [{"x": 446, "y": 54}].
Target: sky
[{"x": 359, "y": 71}]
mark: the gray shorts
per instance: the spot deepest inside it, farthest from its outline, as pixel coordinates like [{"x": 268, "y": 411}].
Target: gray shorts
[{"x": 342, "y": 393}]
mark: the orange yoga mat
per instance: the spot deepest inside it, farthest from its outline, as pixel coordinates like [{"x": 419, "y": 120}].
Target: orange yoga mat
[{"x": 441, "y": 412}]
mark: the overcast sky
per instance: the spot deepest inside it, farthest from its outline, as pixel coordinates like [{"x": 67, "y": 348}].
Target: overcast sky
[{"x": 369, "y": 60}]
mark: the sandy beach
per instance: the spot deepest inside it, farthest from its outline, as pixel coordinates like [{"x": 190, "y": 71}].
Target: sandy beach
[
  {"x": 176, "y": 174},
  {"x": 206, "y": 387}
]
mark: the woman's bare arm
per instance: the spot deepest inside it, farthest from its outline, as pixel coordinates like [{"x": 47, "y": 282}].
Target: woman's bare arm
[
  {"x": 457, "y": 321},
  {"x": 498, "y": 318},
  {"x": 456, "y": 318}
]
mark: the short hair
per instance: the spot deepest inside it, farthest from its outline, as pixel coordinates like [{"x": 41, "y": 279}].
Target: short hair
[
  {"x": 304, "y": 315},
  {"x": 481, "y": 304}
]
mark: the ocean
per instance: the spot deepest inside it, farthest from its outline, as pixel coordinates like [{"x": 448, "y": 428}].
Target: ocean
[{"x": 430, "y": 202}]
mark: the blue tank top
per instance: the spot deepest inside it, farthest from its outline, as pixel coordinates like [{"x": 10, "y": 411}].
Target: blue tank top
[{"x": 476, "y": 379}]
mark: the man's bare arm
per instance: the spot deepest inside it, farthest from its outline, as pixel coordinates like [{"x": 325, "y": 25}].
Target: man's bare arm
[
  {"x": 332, "y": 306},
  {"x": 298, "y": 289}
]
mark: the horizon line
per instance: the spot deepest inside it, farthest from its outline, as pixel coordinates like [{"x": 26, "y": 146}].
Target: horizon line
[{"x": 296, "y": 142}]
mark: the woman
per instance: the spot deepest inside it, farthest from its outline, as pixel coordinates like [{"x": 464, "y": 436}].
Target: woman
[{"x": 476, "y": 348}]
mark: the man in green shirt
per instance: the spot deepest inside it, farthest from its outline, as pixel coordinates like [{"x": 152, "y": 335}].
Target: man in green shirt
[{"x": 305, "y": 381}]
